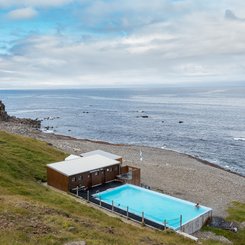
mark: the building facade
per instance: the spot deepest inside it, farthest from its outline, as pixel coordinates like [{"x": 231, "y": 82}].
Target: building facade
[
  {"x": 90, "y": 169},
  {"x": 83, "y": 172}
]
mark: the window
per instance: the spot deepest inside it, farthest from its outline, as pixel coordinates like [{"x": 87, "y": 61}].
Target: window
[
  {"x": 73, "y": 179},
  {"x": 88, "y": 176},
  {"x": 96, "y": 173},
  {"x": 80, "y": 177},
  {"x": 107, "y": 170},
  {"x": 115, "y": 168}
]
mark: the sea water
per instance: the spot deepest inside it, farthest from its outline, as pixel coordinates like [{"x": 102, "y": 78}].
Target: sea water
[{"x": 208, "y": 123}]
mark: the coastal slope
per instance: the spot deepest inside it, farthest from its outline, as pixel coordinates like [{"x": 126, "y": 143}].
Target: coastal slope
[{"x": 31, "y": 213}]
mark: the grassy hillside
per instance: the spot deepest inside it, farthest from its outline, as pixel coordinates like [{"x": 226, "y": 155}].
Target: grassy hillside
[{"x": 30, "y": 213}]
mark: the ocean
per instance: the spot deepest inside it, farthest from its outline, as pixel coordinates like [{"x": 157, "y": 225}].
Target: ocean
[{"x": 208, "y": 123}]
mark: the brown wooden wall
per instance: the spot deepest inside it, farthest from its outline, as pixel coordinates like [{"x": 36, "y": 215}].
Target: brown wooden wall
[
  {"x": 124, "y": 170},
  {"x": 96, "y": 177},
  {"x": 136, "y": 176},
  {"x": 83, "y": 179},
  {"x": 57, "y": 179},
  {"x": 87, "y": 179},
  {"x": 136, "y": 179},
  {"x": 111, "y": 172}
]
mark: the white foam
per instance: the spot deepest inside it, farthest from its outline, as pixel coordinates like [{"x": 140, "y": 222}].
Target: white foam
[
  {"x": 240, "y": 139},
  {"x": 47, "y": 131}
]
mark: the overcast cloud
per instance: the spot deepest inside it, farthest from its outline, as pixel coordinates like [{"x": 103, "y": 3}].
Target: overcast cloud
[{"x": 65, "y": 43}]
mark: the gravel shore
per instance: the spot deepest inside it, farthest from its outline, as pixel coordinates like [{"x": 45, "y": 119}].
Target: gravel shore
[{"x": 166, "y": 171}]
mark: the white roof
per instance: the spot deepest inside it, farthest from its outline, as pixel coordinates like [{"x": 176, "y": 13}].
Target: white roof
[
  {"x": 71, "y": 157},
  {"x": 102, "y": 153},
  {"x": 82, "y": 164}
]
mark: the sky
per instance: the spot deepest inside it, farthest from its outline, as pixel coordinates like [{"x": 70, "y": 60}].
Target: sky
[{"x": 89, "y": 43}]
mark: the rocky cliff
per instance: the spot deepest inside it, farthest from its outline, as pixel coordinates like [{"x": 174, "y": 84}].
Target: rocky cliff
[
  {"x": 6, "y": 118},
  {"x": 3, "y": 114}
]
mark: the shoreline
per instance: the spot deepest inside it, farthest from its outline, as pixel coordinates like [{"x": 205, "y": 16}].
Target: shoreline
[
  {"x": 203, "y": 161},
  {"x": 164, "y": 170}
]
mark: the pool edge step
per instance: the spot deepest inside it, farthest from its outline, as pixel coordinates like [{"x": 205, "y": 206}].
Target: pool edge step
[{"x": 187, "y": 235}]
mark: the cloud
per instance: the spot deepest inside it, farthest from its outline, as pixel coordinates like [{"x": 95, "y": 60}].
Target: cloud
[
  {"x": 22, "y": 13},
  {"x": 115, "y": 43},
  {"x": 33, "y": 3},
  {"x": 138, "y": 58}
]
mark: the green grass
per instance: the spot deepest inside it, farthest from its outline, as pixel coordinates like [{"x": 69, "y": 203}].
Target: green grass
[
  {"x": 31, "y": 213},
  {"x": 236, "y": 213}
]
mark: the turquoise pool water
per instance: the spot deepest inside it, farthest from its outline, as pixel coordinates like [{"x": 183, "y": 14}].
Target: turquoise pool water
[{"x": 157, "y": 207}]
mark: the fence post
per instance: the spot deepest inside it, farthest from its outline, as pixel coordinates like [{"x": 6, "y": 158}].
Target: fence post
[
  {"x": 180, "y": 221},
  {"x": 100, "y": 201},
  {"x": 112, "y": 206},
  {"x": 127, "y": 213},
  {"x": 77, "y": 190},
  {"x": 165, "y": 224},
  {"x": 143, "y": 219},
  {"x": 87, "y": 196}
]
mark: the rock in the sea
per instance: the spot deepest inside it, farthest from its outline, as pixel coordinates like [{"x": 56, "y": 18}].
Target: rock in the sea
[
  {"x": 181, "y": 121},
  {"x": 144, "y": 116}
]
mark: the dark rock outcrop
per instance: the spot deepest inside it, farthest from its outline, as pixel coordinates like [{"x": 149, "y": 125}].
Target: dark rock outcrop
[
  {"x": 6, "y": 118},
  {"x": 3, "y": 114},
  {"x": 220, "y": 223}
]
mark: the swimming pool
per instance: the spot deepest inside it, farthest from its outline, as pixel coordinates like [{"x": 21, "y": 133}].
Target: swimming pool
[{"x": 157, "y": 207}]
